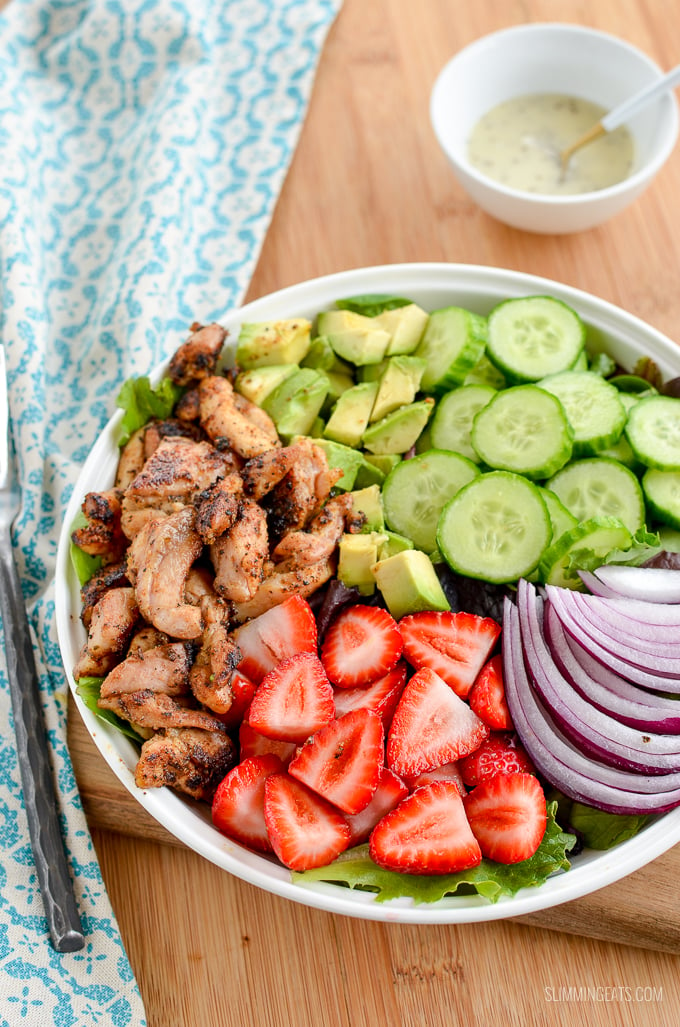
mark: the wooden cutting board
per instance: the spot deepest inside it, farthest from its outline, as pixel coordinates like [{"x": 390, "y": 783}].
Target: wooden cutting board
[{"x": 641, "y": 910}]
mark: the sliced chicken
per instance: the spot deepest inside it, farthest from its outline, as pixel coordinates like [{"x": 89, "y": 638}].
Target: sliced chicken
[
  {"x": 156, "y": 710},
  {"x": 218, "y": 507},
  {"x": 102, "y": 535},
  {"x": 228, "y": 425},
  {"x": 211, "y": 673},
  {"x": 188, "y": 760},
  {"x": 281, "y": 584},
  {"x": 178, "y": 469},
  {"x": 131, "y": 460},
  {"x": 171, "y": 428},
  {"x": 301, "y": 492},
  {"x": 261, "y": 473},
  {"x": 162, "y": 668},
  {"x": 239, "y": 556},
  {"x": 319, "y": 540},
  {"x": 112, "y": 576},
  {"x": 197, "y": 357},
  {"x": 112, "y": 622}
]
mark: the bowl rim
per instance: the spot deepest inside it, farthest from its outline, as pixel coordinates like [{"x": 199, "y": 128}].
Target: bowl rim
[
  {"x": 189, "y": 822},
  {"x": 629, "y": 184}
]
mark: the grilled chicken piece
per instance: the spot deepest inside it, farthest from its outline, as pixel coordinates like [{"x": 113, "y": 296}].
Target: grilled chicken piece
[
  {"x": 112, "y": 576},
  {"x": 257, "y": 416},
  {"x": 229, "y": 426},
  {"x": 163, "y": 668},
  {"x": 318, "y": 542},
  {"x": 112, "y": 622},
  {"x": 162, "y": 556},
  {"x": 171, "y": 428},
  {"x": 299, "y": 495},
  {"x": 146, "y": 638},
  {"x": 157, "y": 711},
  {"x": 263, "y": 472},
  {"x": 239, "y": 556},
  {"x": 218, "y": 507},
  {"x": 281, "y": 584},
  {"x": 131, "y": 459},
  {"x": 188, "y": 407},
  {"x": 211, "y": 673},
  {"x": 188, "y": 760},
  {"x": 102, "y": 535},
  {"x": 197, "y": 357}
]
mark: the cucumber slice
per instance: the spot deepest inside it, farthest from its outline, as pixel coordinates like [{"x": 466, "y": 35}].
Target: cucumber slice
[
  {"x": 662, "y": 492},
  {"x": 452, "y": 422},
  {"x": 561, "y": 519},
  {"x": 495, "y": 528},
  {"x": 415, "y": 491},
  {"x": 593, "y": 408},
  {"x": 452, "y": 344},
  {"x": 523, "y": 429},
  {"x": 653, "y": 430},
  {"x": 600, "y": 487},
  {"x": 534, "y": 336},
  {"x": 598, "y": 535}
]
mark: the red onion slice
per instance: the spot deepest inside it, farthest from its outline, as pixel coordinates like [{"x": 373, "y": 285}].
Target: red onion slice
[
  {"x": 648, "y": 620},
  {"x": 597, "y": 587},
  {"x": 653, "y": 584}
]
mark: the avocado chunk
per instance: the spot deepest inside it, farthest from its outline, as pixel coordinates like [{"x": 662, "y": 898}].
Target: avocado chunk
[
  {"x": 371, "y": 372},
  {"x": 356, "y": 556},
  {"x": 343, "y": 458},
  {"x": 273, "y": 342},
  {"x": 385, "y": 462},
  {"x": 409, "y": 583},
  {"x": 398, "y": 385},
  {"x": 398, "y": 431},
  {"x": 395, "y": 543},
  {"x": 368, "y": 474},
  {"x": 294, "y": 405},
  {"x": 259, "y": 382},
  {"x": 354, "y": 337},
  {"x": 368, "y": 502},
  {"x": 350, "y": 415},
  {"x": 323, "y": 357},
  {"x": 405, "y": 325}
]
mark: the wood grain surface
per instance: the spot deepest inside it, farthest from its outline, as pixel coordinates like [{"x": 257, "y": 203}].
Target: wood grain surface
[{"x": 368, "y": 186}]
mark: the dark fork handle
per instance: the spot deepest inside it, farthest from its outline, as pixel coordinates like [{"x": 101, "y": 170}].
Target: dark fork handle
[{"x": 36, "y": 774}]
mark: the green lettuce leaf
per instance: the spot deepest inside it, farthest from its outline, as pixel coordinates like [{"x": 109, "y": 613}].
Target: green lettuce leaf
[
  {"x": 141, "y": 401},
  {"x": 88, "y": 690},
  {"x": 83, "y": 564},
  {"x": 601, "y": 830},
  {"x": 355, "y": 869},
  {"x": 372, "y": 304},
  {"x": 645, "y": 545}
]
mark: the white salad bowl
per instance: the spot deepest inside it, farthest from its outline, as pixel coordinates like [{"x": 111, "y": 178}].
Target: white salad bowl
[
  {"x": 433, "y": 286},
  {"x": 572, "y": 60}
]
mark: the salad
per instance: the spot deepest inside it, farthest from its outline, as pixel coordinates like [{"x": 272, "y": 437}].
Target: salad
[{"x": 297, "y": 592}]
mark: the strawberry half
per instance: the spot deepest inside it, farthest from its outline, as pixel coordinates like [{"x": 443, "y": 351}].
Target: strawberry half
[
  {"x": 342, "y": 762},
  {"x": 278, "y": 633},
  {"x": 293, "y": 700},
  {"x": 238, "y": 805},
  {"x": 427, "y": 833},
  {"x": 498, "y": 754},
  {"x": 305, "y": 831},
  {"x": 431, "y": 726},
  {"x": 389, "y": 793},
  {"x": 454, "y": 645},
  {"x": 447, "y": 772},
  {"x": 252, "y": 743},
  {"x": 361, "y": 644},
  {"x": 381, "y": 695},
  {"x": 243, "y": 690},
  {"x": 487, "y": 696},
  {"x": 507, "y": 815}
]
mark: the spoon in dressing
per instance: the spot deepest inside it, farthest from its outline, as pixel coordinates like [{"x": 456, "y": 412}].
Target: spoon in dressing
[{"x": 621, "y": 113}]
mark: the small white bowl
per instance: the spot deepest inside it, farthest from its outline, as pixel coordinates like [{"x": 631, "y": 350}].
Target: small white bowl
[{"x": 550, "y": 58}]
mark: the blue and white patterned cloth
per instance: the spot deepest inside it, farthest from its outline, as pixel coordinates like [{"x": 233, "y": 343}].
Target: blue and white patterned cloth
[{"x": 144, "y": 143}]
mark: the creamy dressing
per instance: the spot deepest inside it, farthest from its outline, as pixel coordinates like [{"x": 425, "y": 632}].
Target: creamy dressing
[{"x": 519, "y": 142}]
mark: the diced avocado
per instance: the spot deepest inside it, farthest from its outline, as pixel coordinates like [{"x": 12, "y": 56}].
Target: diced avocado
[
  {"x": 385, "y": 462},
  {"x": 273, "y": 342},
  {"x": 357, "y": 554},
  {"x": 371, "y": 372},
  {"x": 344, "y": 458},
  {"x": 398, "y": 385},
  {"x": 424, "y": 440},
  {"x": 409, "y": 583},
  {"x": 405, "y": 325},
  {"x": 294, "y": 405},
  {"x": 395, "y": 543},
  {"x": 368, "y": 502},
  {"x": 354, "y": 337},
  {"x": 323, "y": 357},
  {"x": 316, "y": 431},
  {"x": 399, "y": 430},
  {"x": 350, "y": 415},
  {"x": 368, "y": 474},
  {"x": 259, "y": 382}
]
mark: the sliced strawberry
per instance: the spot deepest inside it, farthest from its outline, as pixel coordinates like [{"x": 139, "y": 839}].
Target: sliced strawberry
[
  {"x": 238, "y": 805},
  {"x": 431, "y": 726},
  {"x": 487, "y": 696},
  {"x": 342, "y": 762},
  {"x": 305, "y": 831},
  {"x": 427, "y": 833},
  {"x": 447, "y": 772},
  {"x": 381, "y": 695},
  {"x": 252, "y": 743},
  {"x": 280, "y": 632},
  {"x": 498, "y": 754},
  {"x": 454, "y": 645},
  {"x": 507, "y": 815},
  {"x": 243, "y": 690},
  {"x": 362, "y": 643},
  {"x": 293, "y": 700},
  {"x": 390, "y": 791}
]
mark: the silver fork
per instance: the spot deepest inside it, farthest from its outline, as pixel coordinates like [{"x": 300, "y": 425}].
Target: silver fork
[{"x": 34, "y": 764}]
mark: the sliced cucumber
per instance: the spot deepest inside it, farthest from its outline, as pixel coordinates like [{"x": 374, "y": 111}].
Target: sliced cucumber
[
  {"x": 534, "y": 336},
  {"x": 523, "y": 429},
  {"x": 597, "y": 535},
  {"x": 600, "y": 487},
  {"x": 452, "y": 422},
  {"x": 593, "y": 408},
  {"x": 662, "y": 492},
  {"x": 561, "y": 519},
  {"x": 415, "y": 491},
  {"x": 495, "y": 528},
  {"x": 452, "y": 344},
  {"x": 653, "y": 430}
]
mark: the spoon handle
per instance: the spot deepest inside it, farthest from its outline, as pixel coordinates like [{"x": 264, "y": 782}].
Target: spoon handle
[{"x": 631, "y": 106}]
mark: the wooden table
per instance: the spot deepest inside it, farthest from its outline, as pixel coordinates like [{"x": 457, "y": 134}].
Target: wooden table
[{"x": 369, "y": 186}]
